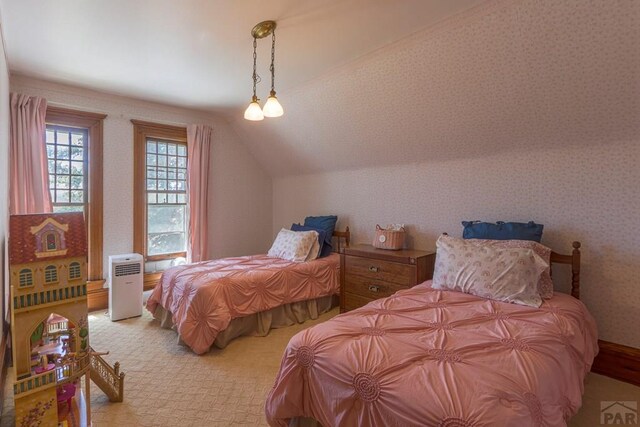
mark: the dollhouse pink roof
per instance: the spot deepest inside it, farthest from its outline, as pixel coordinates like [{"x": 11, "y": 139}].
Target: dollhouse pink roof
[{"x": 22, "y": 240}]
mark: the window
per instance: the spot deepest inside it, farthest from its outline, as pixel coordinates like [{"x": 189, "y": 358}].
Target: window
[
  {"x": 26, "y": 278},
  {"x": 160, "y": 191},
  {"x": 51, "y": 274},
  {"x": 50, "y": 241},
  {"x": 67, "y": 156},
  {"x": 74, "y": 151},
  {"x": 74, "y": 271},
  {"x": 166, "y": 197}
]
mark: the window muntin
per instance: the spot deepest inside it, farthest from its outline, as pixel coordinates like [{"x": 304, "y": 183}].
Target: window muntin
[
  {"x": 166, "y": 190},
  {"x": 75, "y": 272},
  {"x": 25, "y": 278},
  {"x": 51, "y": 274},
  {"x": 67, "y": 155}
]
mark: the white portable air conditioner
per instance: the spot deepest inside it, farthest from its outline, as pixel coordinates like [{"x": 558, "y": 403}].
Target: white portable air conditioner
[{"x": 125, "y": 286}]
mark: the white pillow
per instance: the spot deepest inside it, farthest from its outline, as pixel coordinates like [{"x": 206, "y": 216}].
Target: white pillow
[
  {"x": 296, "y": 246},
  {"x": 503, "y": 274}
]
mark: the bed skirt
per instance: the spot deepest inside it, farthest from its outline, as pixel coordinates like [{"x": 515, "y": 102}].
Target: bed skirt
[{"x": 260, "y": 323}]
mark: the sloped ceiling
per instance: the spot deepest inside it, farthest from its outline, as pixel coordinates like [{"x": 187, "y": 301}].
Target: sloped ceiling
[
  {"x": 512, "y": 75},
  {"x": 363, "y": 82},
  {"x": 198, "y": 53}
]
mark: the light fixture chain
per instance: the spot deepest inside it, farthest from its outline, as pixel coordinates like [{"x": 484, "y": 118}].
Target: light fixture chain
[
  {"x": 255, "y": 57},
  {"x": 273, "y": 56}
]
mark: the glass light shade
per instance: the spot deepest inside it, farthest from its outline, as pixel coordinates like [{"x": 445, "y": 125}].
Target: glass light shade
[
  {"x": 253, "y": 112},
  {"x": 272, "y": 107}
]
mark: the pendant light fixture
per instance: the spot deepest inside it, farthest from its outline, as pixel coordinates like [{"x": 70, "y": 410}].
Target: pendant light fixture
[
  {"x": 253, "y": 111},
  {"x": 272, "y": 107}
]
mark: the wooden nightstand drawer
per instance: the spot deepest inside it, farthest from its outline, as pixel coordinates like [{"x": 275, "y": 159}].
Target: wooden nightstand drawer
[
  {"x": 370, "y": 288},
  {"x": 352, "y": 301},
  {"x": 380, "y": 270},
  {"x": 367, "y": 273}
]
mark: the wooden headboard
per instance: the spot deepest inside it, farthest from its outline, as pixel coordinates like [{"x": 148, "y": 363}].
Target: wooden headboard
[
  {"x": 346, "y": 235},
  {"x": 574, "y": 261}
]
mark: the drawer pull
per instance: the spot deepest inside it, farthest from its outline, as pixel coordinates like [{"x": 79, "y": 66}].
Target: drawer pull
[
  {"x": 374, "y": 269},
  {"x": 374, "y": 288}
]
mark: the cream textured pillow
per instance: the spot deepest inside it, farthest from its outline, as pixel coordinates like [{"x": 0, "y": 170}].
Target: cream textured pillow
[
  {"x": 503, "y": 274},
  {"x": 296, "y": 246},
  {"x": 545, "y": 284}
]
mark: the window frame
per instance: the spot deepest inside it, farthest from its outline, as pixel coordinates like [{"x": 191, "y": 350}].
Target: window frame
[
  {"x": 57, "y": 128},
  {"x": 72, "y": 268},
  {"x": 93, "y": 122},
  {"x": 141, "y": 131},
  {"x": 23, "y": 273},
  {"x": 54, "y": 268}
]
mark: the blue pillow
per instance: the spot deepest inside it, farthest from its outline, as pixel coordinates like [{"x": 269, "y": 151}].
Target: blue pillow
[
  {"x": 326, "y": 223},
  {"x": 502, "y": 230},
  {"x": 321, "y": 236}
]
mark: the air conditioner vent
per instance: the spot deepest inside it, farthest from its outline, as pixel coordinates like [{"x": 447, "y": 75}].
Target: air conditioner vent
[{"x": 127, "y": 269}]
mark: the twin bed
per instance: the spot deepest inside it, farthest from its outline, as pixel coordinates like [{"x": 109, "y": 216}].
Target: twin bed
[
  {"x": 423, "y": 356},
  {"x": 212, "y": 302},
  {"x": 426, "y": 357}
]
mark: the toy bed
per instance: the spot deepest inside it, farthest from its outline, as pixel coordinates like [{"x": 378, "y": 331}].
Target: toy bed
[
  {"x": 211, "y": 302},
  {"x": 440, "y": 358}
]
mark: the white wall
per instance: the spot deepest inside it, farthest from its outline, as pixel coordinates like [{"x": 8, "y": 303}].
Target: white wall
[
  {"x": 4, "y": 173},
  {"x": 588, "y": 194},
  {"x": 240, "y": 191}
]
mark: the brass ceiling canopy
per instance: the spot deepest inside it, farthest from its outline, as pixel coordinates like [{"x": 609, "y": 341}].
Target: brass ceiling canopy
[{"x": 263, "y": 29}]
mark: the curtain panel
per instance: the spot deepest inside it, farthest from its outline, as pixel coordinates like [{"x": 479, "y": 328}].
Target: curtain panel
[
  {"x": 29, "y": 176},
  {"x": 199, "y": 154}
]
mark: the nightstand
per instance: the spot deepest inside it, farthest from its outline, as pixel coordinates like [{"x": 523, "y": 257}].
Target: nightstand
[{"x": 367, "y": 273}]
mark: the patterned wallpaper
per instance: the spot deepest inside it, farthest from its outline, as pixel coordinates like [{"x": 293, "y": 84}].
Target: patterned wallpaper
[
  {"x": 506, "y": 75},
  {"x": 585, "y": 193},
  {"x": 240, "y": 189},
  {"x": 514, "y": 110}
]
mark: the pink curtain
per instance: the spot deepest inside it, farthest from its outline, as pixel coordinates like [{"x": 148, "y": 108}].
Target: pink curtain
[
  {"x": 199, "y": 153},
  {"x": 29, "y": 179}
]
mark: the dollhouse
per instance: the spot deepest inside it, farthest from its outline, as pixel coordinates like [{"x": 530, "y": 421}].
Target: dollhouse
[{"x": 50, "y": 332}]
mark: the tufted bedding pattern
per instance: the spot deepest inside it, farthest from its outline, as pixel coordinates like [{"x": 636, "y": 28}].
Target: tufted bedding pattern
[
  {"x": 424, "y": 357},
  {"x": 204, "y": 297}
]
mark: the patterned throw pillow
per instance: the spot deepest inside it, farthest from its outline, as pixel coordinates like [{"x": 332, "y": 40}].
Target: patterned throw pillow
[
  {"x": 296, "y": 246},
  {"x": 503, "y": 274},
  {"x": 545, "y": 284}
]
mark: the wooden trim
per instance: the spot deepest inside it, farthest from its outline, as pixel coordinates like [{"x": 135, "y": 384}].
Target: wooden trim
[
  {"x": 618, "y": 361},
  {"x": 94, "y": 123},
  {"x": 157, "y": 130},
  {"x": 164, "y": 257},
  {"x": 141, "y": 131},
  {"x": 71, "y": 117},
  {"x": 98, "y": 299},
  {"x": 151, "y": 280}
]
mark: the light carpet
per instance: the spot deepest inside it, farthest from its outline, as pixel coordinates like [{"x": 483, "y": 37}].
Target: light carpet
[{"x": 167, "y": 385}]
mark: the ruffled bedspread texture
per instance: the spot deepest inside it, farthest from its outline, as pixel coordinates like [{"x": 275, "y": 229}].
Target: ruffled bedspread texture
[
  {"x": 204, "y": 297},
  {"x": 439, "y": 358}
]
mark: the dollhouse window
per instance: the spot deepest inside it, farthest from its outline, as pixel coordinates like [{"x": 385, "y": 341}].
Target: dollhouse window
[
  {"x": 74, "y": 271},
  {"x": 26, "y": 278},
  {"x": 51, "y": 242},
  {"x": 51, "y": 274}
]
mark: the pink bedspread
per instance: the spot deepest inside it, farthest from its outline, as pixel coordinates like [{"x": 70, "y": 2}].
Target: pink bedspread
[
  {"x": 439, "y": 358},
  {"x": 204, "y": 297}
]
